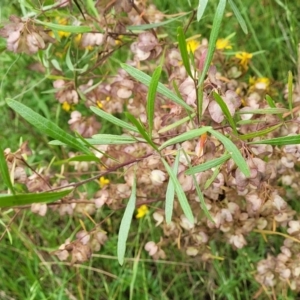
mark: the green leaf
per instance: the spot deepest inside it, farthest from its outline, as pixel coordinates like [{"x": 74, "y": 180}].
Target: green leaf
[
  {"x": 263, "y": 111},
  {"x": 146, "y": 79},
  {"x": 109, "y": 117},
  {"x": 151, "y": 98},
  {"x": 171, "y": 192},
  {"x": 270, "y": 101},
  {"x": 125, "y": 224},
  {"x": 238, "y": 16},
  {"x": 4, "y": 171},
  {"x": 280, "y": 141},
  {"x": 213, "y": 38},
  {"x": 258, "y": 133},
  {"x": 177, "y": 123},
  {"x": 208, "y": 165},
  {"x": 65, "y": 28},
  {"x": 290, "y": 90},
  {"x": 184, "y": 51},
  {"x": 201, "y": 8},
  {"x": 105, "y": 139},
  {"x": 233, "y": 150},
  {"x": 68, "y": 60},
  {"x": 153, "y": 25},
  {"x": 142, "y": 130},
  {"x": 45, "y": 126},
  {"x": 225, "y": 111},
  {"x": 180, "y": 193},
  {"x": 199, "y": 193},
  {"x": 185, "y": 136},
  {"x": 23, "y": 199}
]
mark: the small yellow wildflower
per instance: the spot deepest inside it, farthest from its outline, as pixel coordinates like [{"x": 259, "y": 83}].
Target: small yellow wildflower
[
  {"x": 260, "y": 83},
  {"x": 77, "y": 38},
  {"x": 103, "y": 181},
  {"x": 66, "y": 106},
  {"x": 244, "y": 58},
  {"x": 99, "y": 104},
  {"x": 192, "y": 45},
  {"x": 223, "y": 44},
  {"x": 142, "y": 211},
  {"x": 119, "y": 42}
]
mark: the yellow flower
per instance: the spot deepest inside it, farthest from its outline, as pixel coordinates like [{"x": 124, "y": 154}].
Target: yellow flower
[
  {"x": 103, "y": 181},
  {"x": 66, "y": 106},
  {"x": 77, "y": 38},
  {"x": 192, "y": 45},
  {"x": 142, "y": 211},
  {"x": 260, "y": 83},
  {"x": 223, "y": 44},
  {"x": 244, "y": 58}
]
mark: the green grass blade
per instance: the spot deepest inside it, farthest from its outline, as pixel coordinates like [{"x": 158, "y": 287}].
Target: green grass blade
[
  {"x": 65, "y": 28},
  {"x": 185, "y": 136},
  {"x": 238, "y": 16},
  {"x": 199, "y": 193},
  {"x": 280, "y": 141},
  {"x": 290, "y": 90},
  {"x": 208, "y": 165},
  {"x": 258, "y": 133},
  {"x": 213, "y": 38},
  {"x": 171, "y": 192},
  {"x": 146, "y": 79},
  {"x": 233, "y": 150},
  {"x": 201, "y": 8},
  {"x": 142, "y": 130},
  {"x": 23, "y": 199},
  {"x": 4, "y": 171},
  {"x": 45, "y": 126},
  {"x": 270, "y": 101},
  {"x": 125, "y": 224},
  {"x": 151, "y": 98},
  {"x": 263, "y": 111},
  {"x": 101, "y": 113},
  {"x": 225, "y": 111},
  {"x": 184, "y": 51},
  {"x": 180, "y": 193}
]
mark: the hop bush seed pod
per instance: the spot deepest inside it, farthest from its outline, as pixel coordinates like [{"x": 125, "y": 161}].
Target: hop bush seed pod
[{"x": 25, "y": 36}]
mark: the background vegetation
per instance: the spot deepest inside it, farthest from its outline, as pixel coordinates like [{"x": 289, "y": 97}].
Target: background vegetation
[{"x": 29, "y": 272}]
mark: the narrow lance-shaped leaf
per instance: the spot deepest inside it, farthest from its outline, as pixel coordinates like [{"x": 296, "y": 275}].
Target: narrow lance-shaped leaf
[
  {"x": 113, "y": 119},
  {"x": 213, "y": 38},
  {"x": 185, "y": 136},
  {"x": 199, "y": 193},
  {"x": 142, "y": 130},
  {"x": 65, "y": 28},
  {"x": 145, "y": 79},
  {"x": 45, "y": 126},
  {"x": 208, "y": 165},
  {"x": 233, "y": 150},
  {"x": 238, "y": 16},
  {"x": 258, "y": 133},
  {"x": 201, "y": 8},
  {"x": 125, "y": 224},
  {"x": 171, "y": 192},
  {"x": 151, "y": 98},
  {"x": 24, "y": 199},
  {"x": 4, "y": 171},
  {"x": 184, "y": 51},
  {"x": 225, "y": 111},
  {"x": 180, "y": 193},
  {"x": 280, "y": 141}
]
